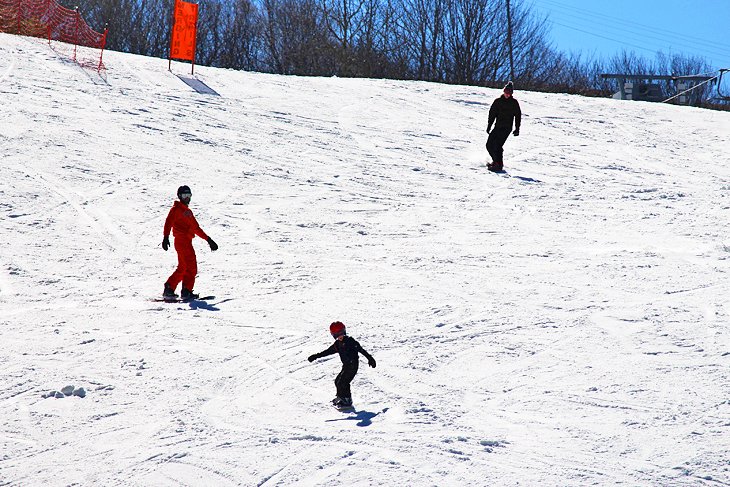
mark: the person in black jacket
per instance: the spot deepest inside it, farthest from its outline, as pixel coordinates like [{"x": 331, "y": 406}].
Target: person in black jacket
[
  {"x": 504, "y": 110},
  {"x": 348, "y": 348}
]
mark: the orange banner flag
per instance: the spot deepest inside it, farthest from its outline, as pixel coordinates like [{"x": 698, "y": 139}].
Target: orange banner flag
[{"x": 184, "y": 28}]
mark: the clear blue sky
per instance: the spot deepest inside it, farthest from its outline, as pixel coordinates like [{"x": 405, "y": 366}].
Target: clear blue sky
[{"x": 605, "y": 27}]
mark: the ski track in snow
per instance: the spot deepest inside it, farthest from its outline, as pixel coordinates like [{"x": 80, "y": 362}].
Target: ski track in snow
[{"x": 565, "y": 323}]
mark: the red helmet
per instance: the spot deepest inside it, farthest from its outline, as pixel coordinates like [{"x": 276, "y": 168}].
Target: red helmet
[{"x": 337, "y": 329}]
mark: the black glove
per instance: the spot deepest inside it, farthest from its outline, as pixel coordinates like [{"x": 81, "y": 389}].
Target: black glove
[
  {"x": 213, "y": 245},
  {"x": 165, "y": 243},
  {"x": 489, "y": 129},
  {"x": 312, "y": 358},
  {"x": 516, "y": 132},
  {"x": 371, "y": 362}
]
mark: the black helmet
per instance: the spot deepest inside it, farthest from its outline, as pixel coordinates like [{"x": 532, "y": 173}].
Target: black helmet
[{"x": 183, "y": 190}]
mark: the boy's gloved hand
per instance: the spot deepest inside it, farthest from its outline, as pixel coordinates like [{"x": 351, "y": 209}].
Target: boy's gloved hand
[
  {"x": 371, "y": 362},
  {"x": 213, "y": 245},
  {"x": 165, "y": 243}
]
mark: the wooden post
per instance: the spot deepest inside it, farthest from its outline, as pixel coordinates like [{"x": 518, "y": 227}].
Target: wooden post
[
  {"x": 103, "y": 45},
  {"x": 195, "y": 47},
  {"x": 76, "y": 31}
]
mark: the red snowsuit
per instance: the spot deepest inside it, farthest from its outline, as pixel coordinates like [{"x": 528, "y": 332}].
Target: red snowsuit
[{"x": 184, "y": 228}]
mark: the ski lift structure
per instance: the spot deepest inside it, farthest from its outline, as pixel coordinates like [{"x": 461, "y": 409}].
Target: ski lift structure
[
  {"x": 720, "y": 94},
  {"x": 645, "y": 87}
]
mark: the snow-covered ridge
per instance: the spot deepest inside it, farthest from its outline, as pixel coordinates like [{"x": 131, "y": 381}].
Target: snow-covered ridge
[{"x": 564, "y": 324}]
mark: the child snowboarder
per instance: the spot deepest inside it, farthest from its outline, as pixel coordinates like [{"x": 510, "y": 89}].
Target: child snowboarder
[
  {"x": 184, "y": 228},
  {"x": 348, "y": 349}
]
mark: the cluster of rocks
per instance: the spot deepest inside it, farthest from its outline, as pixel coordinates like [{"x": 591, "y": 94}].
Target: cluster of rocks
[{"x": 66, "y": 391}]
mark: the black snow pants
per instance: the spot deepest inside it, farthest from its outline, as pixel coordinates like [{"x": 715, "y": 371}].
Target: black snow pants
[
  {"x": 496, "y": 141},
  {"x": 343, "y": 379}
]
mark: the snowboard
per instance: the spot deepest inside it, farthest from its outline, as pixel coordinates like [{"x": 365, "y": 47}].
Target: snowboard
[
  {"x": 342, "y": 408},
  {"x": 180, "y": 300}
]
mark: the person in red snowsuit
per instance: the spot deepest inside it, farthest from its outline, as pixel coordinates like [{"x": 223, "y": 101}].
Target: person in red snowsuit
[{"x": 184, "y": 228}]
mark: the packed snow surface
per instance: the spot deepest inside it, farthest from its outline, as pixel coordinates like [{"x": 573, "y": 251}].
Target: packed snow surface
[{"x": 564, "y": 323}]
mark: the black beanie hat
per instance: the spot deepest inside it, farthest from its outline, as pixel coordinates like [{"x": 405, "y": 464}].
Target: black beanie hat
[
  {"x": 183, "y": 189},
  {"x": 509, "y": 87}
]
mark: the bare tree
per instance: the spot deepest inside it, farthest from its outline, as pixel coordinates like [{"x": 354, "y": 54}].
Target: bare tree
[
  {"x": 129, "y": 23},
  {"x": 344, "y": 20},
  {"x": 242, "y": 36},
  {"x": 423, "y": 28},
  {"x": 210, "y": 36},
  {"x": 471, "y": 25},
  {"x": 296, "y": 39},
  {"x": 272, "y": 36},
  {"x": 376, "y": 48}
]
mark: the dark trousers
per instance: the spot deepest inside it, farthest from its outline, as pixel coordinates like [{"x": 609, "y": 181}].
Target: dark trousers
[
  {"x": 495, "y": 142},
  {"x": 343, "y": 379}
]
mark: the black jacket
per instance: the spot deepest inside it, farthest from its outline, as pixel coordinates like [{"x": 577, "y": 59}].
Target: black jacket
[
  {"x": 504, "y": 110},
  {"x": 348, "y": 350}
]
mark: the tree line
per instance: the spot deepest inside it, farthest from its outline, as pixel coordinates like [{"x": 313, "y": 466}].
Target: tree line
[{"x": 448, "y": 41}]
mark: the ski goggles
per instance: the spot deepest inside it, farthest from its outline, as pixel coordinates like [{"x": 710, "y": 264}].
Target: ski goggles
[
  {"x": 185, "y": 195},
  {"x": 339, "y": 334}
]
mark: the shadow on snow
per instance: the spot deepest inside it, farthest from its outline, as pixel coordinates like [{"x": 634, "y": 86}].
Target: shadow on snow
[
  {"x": 199, "y": 304},
  {"x": 364, "y": 418}
]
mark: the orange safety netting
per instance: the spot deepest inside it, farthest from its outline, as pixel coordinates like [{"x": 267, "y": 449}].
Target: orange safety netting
[{"x": 48, "y": 19}]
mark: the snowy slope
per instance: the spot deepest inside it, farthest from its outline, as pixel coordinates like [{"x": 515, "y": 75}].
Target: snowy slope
[{"x": 564, "y": 324}]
